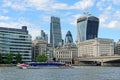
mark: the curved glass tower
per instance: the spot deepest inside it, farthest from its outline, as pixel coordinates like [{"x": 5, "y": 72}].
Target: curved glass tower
[
  {"x": 87, "y": 28},
  {"x": 68, "y": 37}
]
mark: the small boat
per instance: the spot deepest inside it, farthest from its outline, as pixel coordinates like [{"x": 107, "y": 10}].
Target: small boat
[
  {"x": 22, "y": 66},
  {"x": 39, "y": 65}
]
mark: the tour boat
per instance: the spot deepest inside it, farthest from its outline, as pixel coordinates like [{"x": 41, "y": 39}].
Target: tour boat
[{"x": 38, "y": 65}]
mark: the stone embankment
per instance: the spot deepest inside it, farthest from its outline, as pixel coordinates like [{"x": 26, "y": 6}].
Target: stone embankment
[{"x": 7, "y": 65}]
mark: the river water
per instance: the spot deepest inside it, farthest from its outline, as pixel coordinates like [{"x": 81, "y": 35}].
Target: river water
[{"x": 76, "y": 73}]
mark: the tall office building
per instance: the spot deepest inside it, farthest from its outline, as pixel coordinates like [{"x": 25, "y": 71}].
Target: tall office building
[
  {"x": 87, "y": 28},
  {"x": 68, "y": 37},
  {"x": 43, "y": 36},
  {"x": 16, "y": 41},
  {"x": 55, "y": 32}
]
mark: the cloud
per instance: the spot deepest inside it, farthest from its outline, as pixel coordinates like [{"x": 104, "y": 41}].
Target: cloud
[
  {"x": 34, "y": 32},
  {"x": 4, "y": 18},
  {"x": 103, "y": 18},
  {"x": 46, "y": 5},
  {"x": 110, "y": 19},
  {"x": 114, "y": 24},
  {"x": 107, "y": 4},
  {"x": 32, "y": 28},
  {"x": 15, "y": 4},
  {"x": 109, "y": 8},
  {"x": 40, "y": 4},
  {"x": 53, "y": 5},
  {"x": 117, "y": 14},
  {"x": 104, "y": 5},
  {"x": 83, "y": 4},
  {"x": 4, "y": 11},
  {"x": 73, "y": 19},
  {"x": 60, "y": 6},
  {"x": 109, "y": 13},
  {"x": 46, "y": 18},
  {"x": 10, "y": 24},
  {"x": 116, "y": 2}
]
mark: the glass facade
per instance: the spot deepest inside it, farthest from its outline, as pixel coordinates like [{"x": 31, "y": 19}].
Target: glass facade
[
  {"x": 16, "y": 41},
  {"x": 68, "y": 38},
  {"x": 55, "y": 32},
  {"x": 87, "y": 28},
  {"x": 43, "y": 36}
]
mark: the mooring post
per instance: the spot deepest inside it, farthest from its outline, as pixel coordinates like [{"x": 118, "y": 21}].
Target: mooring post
[{"x": 102, "y": 63}]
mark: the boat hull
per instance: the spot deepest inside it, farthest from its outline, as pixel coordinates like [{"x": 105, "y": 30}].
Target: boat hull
[{"x": 42, "y": 65}]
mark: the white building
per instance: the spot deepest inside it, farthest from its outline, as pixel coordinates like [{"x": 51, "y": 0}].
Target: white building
[
  {"x": 96, "y": 47},
  {"x": 65, "y": 53}
]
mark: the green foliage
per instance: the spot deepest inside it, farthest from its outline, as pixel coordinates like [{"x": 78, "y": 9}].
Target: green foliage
[
  {"x": 9, "y": 58},
  {"x": 41, "y": 58},
  {"x": 18, "y": 58},
  {"x": 0, "y": 58}
]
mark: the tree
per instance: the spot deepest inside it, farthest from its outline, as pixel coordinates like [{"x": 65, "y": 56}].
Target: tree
[
  {"x": 9, "y": 58},
  {"x": 0, "y": 58},
  {"x": 41, "y": 58},
  {"x": 18, "y": 58}
]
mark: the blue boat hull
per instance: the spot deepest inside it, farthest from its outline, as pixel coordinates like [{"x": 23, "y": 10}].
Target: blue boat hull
[{"x": 41, "y": 65}]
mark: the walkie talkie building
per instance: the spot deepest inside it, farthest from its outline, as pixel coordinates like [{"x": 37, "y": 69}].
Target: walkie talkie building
[{"x": 87, "y": 28}]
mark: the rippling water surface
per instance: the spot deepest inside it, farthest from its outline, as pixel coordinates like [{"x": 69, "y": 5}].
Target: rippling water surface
[{"x": 77, "y": 73}]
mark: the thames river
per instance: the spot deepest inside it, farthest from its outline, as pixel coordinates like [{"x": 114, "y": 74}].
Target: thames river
[{"x": 76, "y": 73}]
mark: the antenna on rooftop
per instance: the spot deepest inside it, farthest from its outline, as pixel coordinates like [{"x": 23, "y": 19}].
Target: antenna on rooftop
[{"x": 86, "y": 13}]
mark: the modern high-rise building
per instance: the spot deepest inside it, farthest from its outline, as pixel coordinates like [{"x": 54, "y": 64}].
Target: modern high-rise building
[
  {"x": 87, "y": 28},
  {"x": 68, "y": 37},
  {"x": 16, "y": 41},
  {"x": 55, "y": 32}
]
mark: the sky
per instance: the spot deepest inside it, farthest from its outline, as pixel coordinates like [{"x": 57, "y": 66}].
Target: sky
[{"x": 35, "y": 14}]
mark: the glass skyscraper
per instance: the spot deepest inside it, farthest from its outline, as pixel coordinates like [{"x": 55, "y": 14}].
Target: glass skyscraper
[
  {"x": 43, "y": 36},
  {"x": 87, "y": 28},
  {"x": 68, "y": 37},
  {"x": 16, "y": 41},
  {"x": 55, "y": 32}
]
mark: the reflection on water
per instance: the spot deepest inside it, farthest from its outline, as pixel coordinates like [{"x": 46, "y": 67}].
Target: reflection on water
[{"x": 77, "y": 73}]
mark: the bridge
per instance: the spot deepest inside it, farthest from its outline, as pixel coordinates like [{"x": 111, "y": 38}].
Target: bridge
[{"x": 102, "y": 60}]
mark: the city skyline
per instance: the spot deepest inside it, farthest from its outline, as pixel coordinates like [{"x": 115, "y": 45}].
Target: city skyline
[{"x": 35, "y": 14}]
